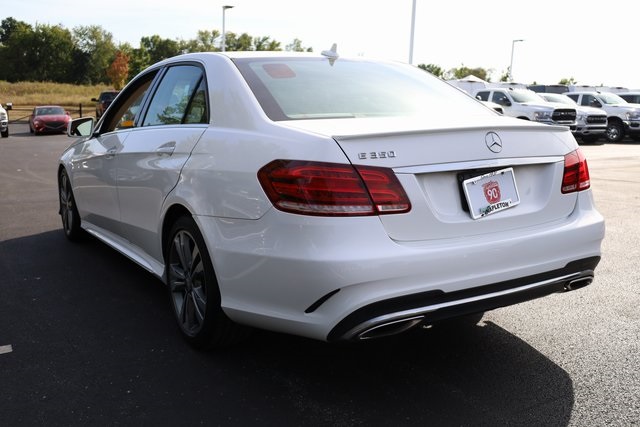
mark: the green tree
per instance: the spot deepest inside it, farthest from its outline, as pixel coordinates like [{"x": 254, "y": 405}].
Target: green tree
[
  {"x": 265, "y": 43},
  {"x": 568, "y": 82},
  {"x": 462, "y": 71},
  {"x": 98, "y": 51},
  {"x": 152, "y": 49},
  {"x": 433, "y": 69},
  {"x": 47, "y": 54},
  {"x": 9, "y": 26},
  {"x": 205, "y": 41},
  {"x": 15, "y": 41},
  {"x": 88, "y": 55},
  {"x": 296, "y": 46},
  {"x": 159, "y": 48},
  {"x": 238, "y": 43}
]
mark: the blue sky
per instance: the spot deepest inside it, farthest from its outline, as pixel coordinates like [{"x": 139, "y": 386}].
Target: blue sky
[{"x": 562, "y": 39}]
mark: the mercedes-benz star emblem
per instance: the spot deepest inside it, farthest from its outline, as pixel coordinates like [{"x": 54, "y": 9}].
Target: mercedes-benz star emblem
[{"x": 493, "y": 141}]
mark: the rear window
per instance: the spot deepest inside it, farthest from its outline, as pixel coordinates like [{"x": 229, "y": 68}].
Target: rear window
[
  {"x": 108, "y": 96},
  {"x": 317, "y": 88}
]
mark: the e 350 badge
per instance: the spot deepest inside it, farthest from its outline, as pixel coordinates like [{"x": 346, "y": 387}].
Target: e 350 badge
[{"x": 377, "y": 155}]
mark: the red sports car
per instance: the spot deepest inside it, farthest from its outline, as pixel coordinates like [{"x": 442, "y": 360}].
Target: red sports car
[{"x": 49, "y": 119}]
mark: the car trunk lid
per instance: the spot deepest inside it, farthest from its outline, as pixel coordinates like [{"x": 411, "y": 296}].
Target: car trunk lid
[{"x": 431, "y": 165}]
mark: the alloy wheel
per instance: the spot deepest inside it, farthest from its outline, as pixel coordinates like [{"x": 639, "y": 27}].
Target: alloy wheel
[
  {"x": 187, "y": 282},
  {"x": 67, "y": 207}
]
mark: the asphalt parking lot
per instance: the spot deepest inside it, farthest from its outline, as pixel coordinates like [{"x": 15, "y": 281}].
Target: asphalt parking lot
[{"x": 87, "y": 337}]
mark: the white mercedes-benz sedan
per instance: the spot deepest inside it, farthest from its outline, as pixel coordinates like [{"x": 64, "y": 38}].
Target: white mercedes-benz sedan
[{"x": 328, "y": 197}]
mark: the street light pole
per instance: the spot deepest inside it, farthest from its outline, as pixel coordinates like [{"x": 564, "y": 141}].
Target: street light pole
[
  {"x": 224, "y": 34},
  {"x": 513, "y": 43},
  {"x": 413, "y": 27}
]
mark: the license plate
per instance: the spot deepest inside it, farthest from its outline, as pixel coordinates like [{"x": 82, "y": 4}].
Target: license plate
[{"x": 491, "y": 193}]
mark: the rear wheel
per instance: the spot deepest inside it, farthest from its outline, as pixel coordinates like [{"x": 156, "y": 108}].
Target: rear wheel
[
  {"x": 5, "y": 133},
  {"x": 193, "y": 289},
  {"x": 615, "y": 131},
  {"x": 68, "y": 209}
]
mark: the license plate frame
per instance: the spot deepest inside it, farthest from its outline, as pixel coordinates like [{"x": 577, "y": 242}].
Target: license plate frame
[{"x": 491, "y": 192}]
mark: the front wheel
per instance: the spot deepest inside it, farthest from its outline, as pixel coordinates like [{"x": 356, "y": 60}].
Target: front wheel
[
  {"x": 615, "y": 132},
  {"x": 68, "y": 210},
  {"x": 193, "y": 289},
  {"x": 5, "y": 133}
]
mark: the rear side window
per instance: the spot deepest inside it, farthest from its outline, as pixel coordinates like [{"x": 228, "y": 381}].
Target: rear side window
[
  {"x": 574, "y": 97},
  {"x": 483, "y": 96},
  {"x": 180, "y": 98},
  {"x": 499, "y": 98}
]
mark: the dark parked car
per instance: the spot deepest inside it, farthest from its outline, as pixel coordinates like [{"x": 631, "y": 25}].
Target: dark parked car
[
  {"x": 103, "y": 101},
  {"x": 49, "y": 119},
  {"x": 631, "y": 97}
]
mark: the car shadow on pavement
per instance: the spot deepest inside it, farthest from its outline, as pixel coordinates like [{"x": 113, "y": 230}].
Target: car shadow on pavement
[
  {"x": 457, "y": 375},
  {"x": 94, "y": 343}
]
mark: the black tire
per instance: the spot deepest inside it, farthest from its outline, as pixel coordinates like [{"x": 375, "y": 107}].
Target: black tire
[
  {"x": 5, "y": 134},
  {"x": 68, "y": 210},
  {"x": 615, "y": 131},
  {"x": 193, "y": 290}
]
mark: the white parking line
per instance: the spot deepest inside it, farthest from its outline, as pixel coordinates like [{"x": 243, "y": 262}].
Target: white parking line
[{"x": 5, "y": 349}]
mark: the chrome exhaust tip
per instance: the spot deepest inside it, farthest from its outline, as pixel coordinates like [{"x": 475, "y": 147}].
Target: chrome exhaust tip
[
  {"x": 578, "y": 283},
  {"x": 390, "y": 328}
]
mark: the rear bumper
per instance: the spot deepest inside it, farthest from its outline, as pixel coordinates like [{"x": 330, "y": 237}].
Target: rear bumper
[
  {"x": 399, "y": 314},
  {"x": 337, "y": 278}
]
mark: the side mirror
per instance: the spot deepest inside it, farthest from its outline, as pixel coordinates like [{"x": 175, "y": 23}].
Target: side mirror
[
  {"x": 94, "y": 99},
  {"x": 8, "y": 106},
  {"x": 81, "y": 127},
  {"x": 596, "y": 103}
]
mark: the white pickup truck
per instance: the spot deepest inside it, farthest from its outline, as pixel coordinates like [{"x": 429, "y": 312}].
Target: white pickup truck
[
  {"x": 591, "y": 122},
  {"x": 623, "y": 118},
  {"x": 526, "y": 104}
]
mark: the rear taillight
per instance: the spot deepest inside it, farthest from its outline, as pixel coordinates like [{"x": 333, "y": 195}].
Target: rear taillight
[
  {"x": 332, "y": 189},
  {"x": 576, "y": 173}
]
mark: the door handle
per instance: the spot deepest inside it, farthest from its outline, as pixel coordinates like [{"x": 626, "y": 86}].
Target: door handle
[
  {"x": 111, "y": 152},
  {"x": 167, "y": 148}
]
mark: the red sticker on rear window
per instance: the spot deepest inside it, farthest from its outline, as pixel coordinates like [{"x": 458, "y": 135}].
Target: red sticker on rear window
[{"x": 279, "y": 71}]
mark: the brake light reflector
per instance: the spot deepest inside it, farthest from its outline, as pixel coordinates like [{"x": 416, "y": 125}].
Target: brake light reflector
[
  {"x": 332, "y": 189},
  {"x": 576, "y": 173}
]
